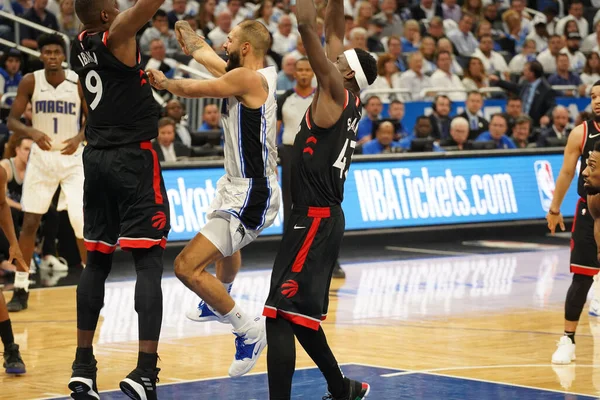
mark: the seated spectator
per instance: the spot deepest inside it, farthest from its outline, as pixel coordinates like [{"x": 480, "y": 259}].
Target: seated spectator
[
  {"x": 563, "y": 76},
  {"x": 490, "y": 14},
  {"x": 393, "y": 22},
  {"x": 284, "y": 40},
  {"x": 206, "y": 16},
  {"x": 521, "y": 132},
  {"x": 475, "y": 77},
  {"x": 300, "y": 51},
  {"x": 373, "y": 109},
  {"x": 517, "y": 63},
  {"x": 159, "y": 60},
  {"x": 515, "y": 29},
  {"x": 547, "y": 58},
  {"x": 472, "y": 114},
  {"x": 423, "y": 130},
  {"x": 387, "y": 74},
  {"x": 177, "y": 13},
  {"x": 165, "y": 146},
  {"x": 451, "y": 10},
  {"x": 591, "y": 73},
  {"x": 427, "y": 10},
  {"x": 384, "y": 140},
  {"x": 160, "y": 30},
  {"x": 435, "y": 30},
  {"x": 363, "y": 14},
  {"x": 358, "y": 40},
  {"x": 264, "y": 15},
  {"x": 412, "y": 36},
  {"x": 427, "y": 50},
  {"x": 396, "y": 114},
  {"x": 37, "y": 14},
  {"x": 414, "y": 79},
  {"x": 462, "y": 38},
  {"x": 576, "y": 57},
  {"x": 395, "y": 49},
  {"x": 558, "y": 129},
  {"x": 514, "y": 109},
  {"x": 575, "y": 14},
  {"x": 539, "y": 34},
  {"x": 473, "y": 7},
  {"x": 444, "y": 44},
  {"x": 10, "y": 74},
  {"x": 444, "y": 78},
  {"x": 591, "y": 42},
  {"x": 440, "y": 117},
  {"x": 497, "y": 133},
  {"x": 375, "y": 34},
  {"x": 493, "y": 62},
  {"x": 459, "y": 134},
  {"x": 176, "y": 112},
  {"x": 285, "y": 77},
  {"x": 218, "y": 35},
  {"x": 67, "y": 18},
  {"x": 211, "y": 118}
]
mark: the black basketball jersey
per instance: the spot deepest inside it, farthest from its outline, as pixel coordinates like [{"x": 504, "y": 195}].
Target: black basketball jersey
[
  {"x": 591, "y": 132},
  {"x": 121, "y": 108},
  {"x": 321, "y": 157}
]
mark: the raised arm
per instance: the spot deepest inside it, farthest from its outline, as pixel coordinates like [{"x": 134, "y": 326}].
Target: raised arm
[
  {"x": 329, "y": 79},
  {"x": 335, "y": 28},
  {"x": 194, "y": 45}
]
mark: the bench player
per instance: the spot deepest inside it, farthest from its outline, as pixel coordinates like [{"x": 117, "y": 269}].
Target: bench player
[{"x": 55, "y": 157}]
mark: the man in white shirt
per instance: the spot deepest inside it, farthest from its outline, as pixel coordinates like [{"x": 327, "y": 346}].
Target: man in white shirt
[
  {"x": 463, "y": 39},
  {"x": 591, "y": 42},
  {"x": 159, "y": 59},
  {"x": 575, "y": 13},
  {"x": 444, "y": 78},
  {"x": 548, "y": 57},
  {"x": 284, "y": 40},
  {"x": 576, "y": 57},
  {"x": 493, "y": 62},
  {"x": 218, "y": 36},
  {"x": 413, "y": 79},
  {"x": 165, "y": 146},
  {"x": 160, "y": 30}
]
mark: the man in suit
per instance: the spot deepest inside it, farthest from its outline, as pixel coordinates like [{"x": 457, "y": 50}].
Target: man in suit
[
  {"x": 426, "y": 10},
  {"x": 165, "y": 146},
  {"x": 440, "y": 118},
  {"x": 536, "y": 94},
  {"x": 558, "y": 129},
  {"x": 473, "y": 106}
]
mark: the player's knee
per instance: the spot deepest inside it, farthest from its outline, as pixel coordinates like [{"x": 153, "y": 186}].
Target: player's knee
[
  {"x": 577, "y": 295},
  {"x": 31, "y": 223},
  {"x": 184, "y": 267}
]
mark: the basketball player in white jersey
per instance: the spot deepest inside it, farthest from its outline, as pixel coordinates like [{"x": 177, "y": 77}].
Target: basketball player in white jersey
[
  {"x": 55, "y": 158},
  {"x": 248, "y": 196}
]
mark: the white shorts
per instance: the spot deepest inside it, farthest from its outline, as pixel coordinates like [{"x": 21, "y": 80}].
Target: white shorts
[
  {"x": 46, "y": 170},
  {"x": 241, "y": 209}
]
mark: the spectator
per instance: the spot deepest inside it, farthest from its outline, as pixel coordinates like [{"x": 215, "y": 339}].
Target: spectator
[
  {"x": 451, "y": 10},
  {"x": 423, "y": 130},
  {"x": 396, "y": 114},
  {"x": 493, "y": 62},
  {"x": 537, "y": 95},
  {"x": 575, "y": 14},
  {"x": 472, "y": 114},
  {"x": 518, "y": 6},
  {"x": 206, "y": 16},
  {"x": 159, "y": 60},
  {"x": 284, "y": 40},
  {"x": 238, "y": 13},
  {"x": 413, "y": 79},
  {"x": 176, "y": 112},
  {"x": 364, "y": 13},
  {"x": 10, "y": 74},
  {"x": 211, "y": 118},
  {"x": 576, "y": 57},
  {"x": 539, "y": 34},
  {"x": 373, "y": 108},
  {"x": 395, "y": 49},
  {"x": 514, "y": 109},
  {"x": 348, "y": 26},
  {"x": 563, "y": 76},
  {"x": 459, "y": 134},
  {"x": 264, "y": 15},
  {"x": 426, "y": 10},
  {"x": 384, "y": 140},
  {"x": 300, "y": 51},
  {"x": 358, "y": 39},
  {"x": 412, "y": 36},
  {"x": 218, "y": 36},
  {"x": 548, "y": 57},
  {"x": 517, "y": 63},
  {"x": 497, "y": 133},
  {"x": 68, "y": 22},
  {"x": 590, "y": 43},
  {"x": 160, "y": 30},
  {"x": 515, "y": 30},
  {"x": 374, "y": 35},
  {"x": 285, "y": 77},
  {"x": 560, "y": 120},
  {"x": 388, "y": 14},
  {"x": 444, "y": 78},
  {"x": 521, "y": 131},
  {"x": 475, "y": 77},
  {"x": 591, "y": 73},
  {"x": 462, "y": 38},
  {"x": 440, "y": 117},
  {"x": 444, "y": 44},
  {"x": 427, "y": 50},
  {"x": 177, "y": 13},
  {"x": 490, "y": 14},
  {"x": 473, "y": 7},
  {"x": 435, "y": 30},
  {"x": 165, "y": 146},
  {"x": 38, "y": 15},
  {"x": 387, "y": 73}
]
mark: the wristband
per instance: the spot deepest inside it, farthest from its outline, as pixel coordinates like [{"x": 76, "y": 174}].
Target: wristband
[{"x": 553, "y": 212}]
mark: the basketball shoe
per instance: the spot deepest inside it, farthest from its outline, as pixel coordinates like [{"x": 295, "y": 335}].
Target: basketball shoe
[
  {"x": 140, "y": 384},
  {"x": 203, "y": 313},
  {"x": 13, "y": 363},
  {"x": 594, "y": 307},
  {"x": 565, "y": 352},
  {"x": 249, "y": 343},
  {"x": 18, "y": 301},
  {"x": 50, "y": 262},
  {"x": 83, "y": 381},
  {"x": 357, "y": 390}
]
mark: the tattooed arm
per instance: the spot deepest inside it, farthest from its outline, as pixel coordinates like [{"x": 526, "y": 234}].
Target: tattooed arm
[{"x": 195, "y": 46}]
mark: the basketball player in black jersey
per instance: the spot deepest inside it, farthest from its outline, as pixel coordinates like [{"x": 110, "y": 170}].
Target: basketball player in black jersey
[
  {"x": 584, "y": 261},
  {"x": 321, "y": 156},
  {"x": 124, "y": 195}
]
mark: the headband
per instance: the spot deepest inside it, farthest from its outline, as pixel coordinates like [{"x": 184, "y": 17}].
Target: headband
[{"x": 354, "y": 64}]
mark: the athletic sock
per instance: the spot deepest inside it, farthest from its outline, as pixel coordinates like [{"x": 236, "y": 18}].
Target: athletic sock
[
  {"x": 84, "y": 355},
  {"x": 571, "y": 336},
  {"x": 147, "y": 360},
  {"x": 227, "y": 286},
  {"x": 22, "y": 281},
  {"x": 6, "y": 332},
  {"x": 238, "y": 318}
]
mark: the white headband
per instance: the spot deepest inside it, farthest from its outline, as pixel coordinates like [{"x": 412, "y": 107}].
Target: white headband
[{"x": 354, "y": 64}]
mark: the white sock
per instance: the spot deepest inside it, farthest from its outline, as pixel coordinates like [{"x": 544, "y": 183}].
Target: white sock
[
  {"x": 238, "y": 318},
  {"x": 22, "y": 281},
  {"x": 227, "y": 286}
]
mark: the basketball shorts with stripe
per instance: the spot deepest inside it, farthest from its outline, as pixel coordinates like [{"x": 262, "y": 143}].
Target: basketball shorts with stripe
[
  {"x": 124, "y": 198},
  {"x": 584, "y": 258},
  {"x": 304, "y": 264},
  {"x": 241, "y": 210}
]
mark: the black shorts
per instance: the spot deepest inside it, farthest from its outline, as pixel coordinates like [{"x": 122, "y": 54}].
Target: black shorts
[
  {"x": 124, "y": 198},
  {"x": 304, "y": 264},
  {"x": 584, "y": 258}
]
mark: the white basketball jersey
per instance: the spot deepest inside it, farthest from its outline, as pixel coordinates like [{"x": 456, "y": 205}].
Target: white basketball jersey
[
  {"x": 56, "y": 111},
  {"x": 250, "y": 134}
]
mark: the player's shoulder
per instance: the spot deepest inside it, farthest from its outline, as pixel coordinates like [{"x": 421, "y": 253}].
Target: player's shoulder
[{"x": 28, "y": 81}]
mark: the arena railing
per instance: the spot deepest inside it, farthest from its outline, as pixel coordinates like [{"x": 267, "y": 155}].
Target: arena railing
[{"x": 18, "y": 21}]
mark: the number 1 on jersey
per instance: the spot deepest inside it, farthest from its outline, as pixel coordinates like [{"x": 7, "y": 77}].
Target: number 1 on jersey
[
  {"x": 341, "y": 161},
  {"x": 55, "y": 125}
]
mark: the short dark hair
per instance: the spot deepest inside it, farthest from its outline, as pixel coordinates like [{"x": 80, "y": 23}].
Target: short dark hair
[
  {"x": 47, "y": 39},
  {"x": 395, "y": 101},
  {"x": 371, "y": 98},
  {"x": 474, "y": 92},
  {"x": 368, "y": 64},
  {"x": 443, "y": 52},
  {"x": 597, "y": 145},
  {"x": 514, "y": 97},
  {"x": 165, "y": 121},
  {"x": 159, "y": 13},
  {"x": 486, "y": 35},
  {"x": 302, "y": 59},
  {"x": 523, "y": 119},
  {"x": 499, "y": 115},
  {"x": 536, "y": 67},
  {"x": 597, "y": 83},
  {"x": 562, "y": 55},
  {"x": 422, "y": 117}
]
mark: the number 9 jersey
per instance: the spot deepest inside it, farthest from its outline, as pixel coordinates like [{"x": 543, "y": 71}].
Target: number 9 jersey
[{"x": 121, "y": 107}]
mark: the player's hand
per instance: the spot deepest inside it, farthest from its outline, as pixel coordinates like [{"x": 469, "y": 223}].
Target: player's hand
[
  {"x": 158, "y": 80},
  {"x": 71, "y": 146},
  {"x": 189, "y": 40},
  {"x": 43, "y": 141},
  {"x": 16, "y": 257},
  {"x": 553, "y": 221}
]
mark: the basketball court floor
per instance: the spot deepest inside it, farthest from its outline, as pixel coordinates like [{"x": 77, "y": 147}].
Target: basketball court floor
[{"x": 458, "y": 319}]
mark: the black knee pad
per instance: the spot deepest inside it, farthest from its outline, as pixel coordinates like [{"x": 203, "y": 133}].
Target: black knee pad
[
  {"x": 90, "y": 290},
  {"x": 148, "y": 292},
  {"x": 576, "y": 296}
]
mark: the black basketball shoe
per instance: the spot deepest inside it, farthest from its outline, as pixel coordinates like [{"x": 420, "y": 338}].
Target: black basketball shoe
[
  {"x": 140, "y": 384},
  {"x": 356, "y": 391},
  {"x": 83, "y": 381},
  {"x": 18, "y": 301},
  {"x": 13, "y": 363}
]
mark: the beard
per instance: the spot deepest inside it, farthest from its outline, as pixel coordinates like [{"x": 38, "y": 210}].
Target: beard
[
  {"x": 591, "y": 190},
  {"x": 234, "y": 61},
  {"x": 573, "y": 49}
]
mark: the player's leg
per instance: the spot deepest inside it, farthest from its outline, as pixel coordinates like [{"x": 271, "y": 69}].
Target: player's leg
[
  {"x": 49, "y": 232},
  {"x": 595, "y": 303},
  {"x": 13, "y": 363},
  {"x": 281, "y": 358},
  {"x": 72, "y": 190}
]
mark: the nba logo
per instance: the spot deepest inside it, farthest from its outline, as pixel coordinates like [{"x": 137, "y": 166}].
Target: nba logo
[{"x": 545, "y": 182}]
